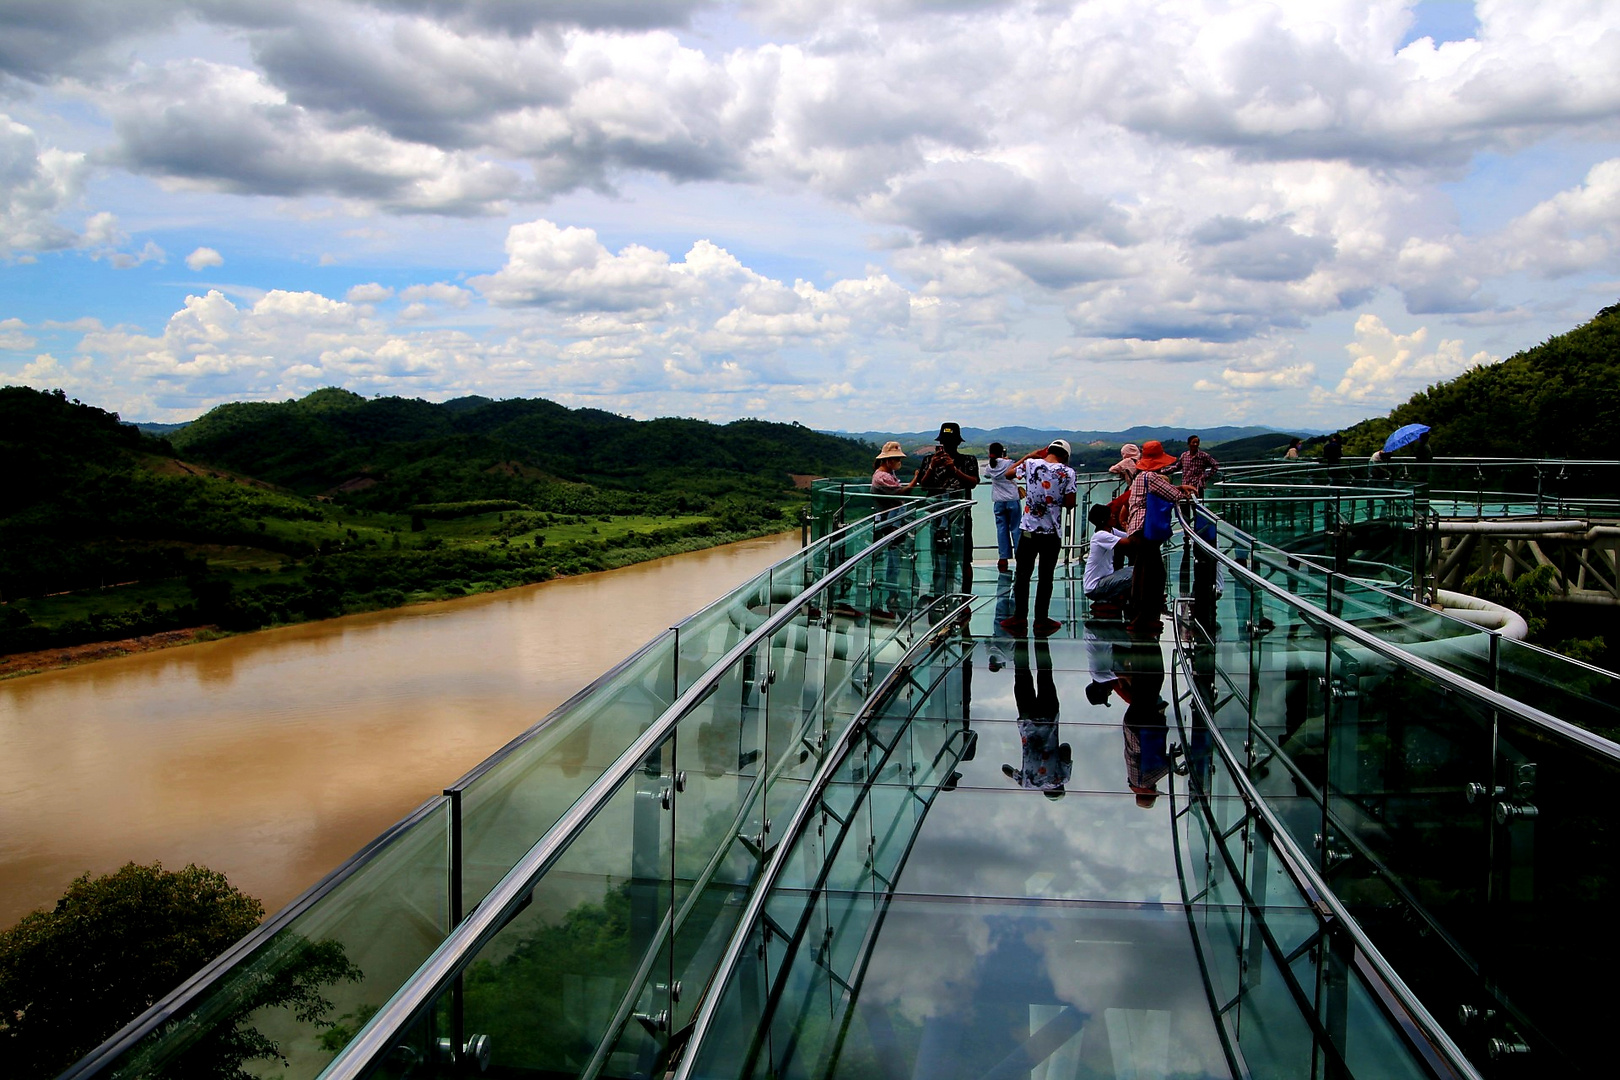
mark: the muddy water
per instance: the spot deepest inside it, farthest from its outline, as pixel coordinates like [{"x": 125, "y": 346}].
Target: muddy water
[{"x": 274, "y": 756}]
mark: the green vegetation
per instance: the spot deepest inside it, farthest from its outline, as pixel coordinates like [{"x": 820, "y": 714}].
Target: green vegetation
[
  {"x": 520, "y": 1000},
  {"x": 1528, "y": 594},
  {"x": 72, "y": 975},
  {"x": 1558, "y": 399},
  {"x": 263, "y": 513}
]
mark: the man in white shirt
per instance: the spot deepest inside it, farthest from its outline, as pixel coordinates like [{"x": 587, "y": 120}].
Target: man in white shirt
[{"x": 1103, "y": 584}]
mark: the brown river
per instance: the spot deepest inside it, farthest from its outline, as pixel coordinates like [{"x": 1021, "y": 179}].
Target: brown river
[{"x": 274, "y": 756}]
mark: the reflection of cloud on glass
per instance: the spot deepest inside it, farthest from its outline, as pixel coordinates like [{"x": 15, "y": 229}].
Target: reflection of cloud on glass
[
  {"x": 1084, "y": 847},
  {"x": 1097, "y": 977},
  {"x": 923, "y": 973}
]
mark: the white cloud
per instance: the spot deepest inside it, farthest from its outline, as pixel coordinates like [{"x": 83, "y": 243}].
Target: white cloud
[
  {"x": 438, "y": 293},
  {"x": 14, "y": 335},
  {"x": 1387, "y": 367},
  {"x": 204, "y": 257},
  {"x": 569, "y": 269},
  {"x": 1575, "y": 230},
  {"x": 205, "y": 125},
  {"x": 370, "y": 293},
  {"x": 36, "y": 184}
]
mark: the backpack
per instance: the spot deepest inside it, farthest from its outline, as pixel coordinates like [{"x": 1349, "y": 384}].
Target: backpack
[{"x": 1156, "y": 526}]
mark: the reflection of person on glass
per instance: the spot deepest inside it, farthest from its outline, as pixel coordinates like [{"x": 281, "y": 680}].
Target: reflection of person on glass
[
  {"x": 1147, "y": 759},
  {"x": 1047, "y": 761}
]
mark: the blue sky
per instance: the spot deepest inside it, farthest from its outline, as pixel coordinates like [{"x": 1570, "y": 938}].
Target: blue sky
[{"x": 856, "y": 215}]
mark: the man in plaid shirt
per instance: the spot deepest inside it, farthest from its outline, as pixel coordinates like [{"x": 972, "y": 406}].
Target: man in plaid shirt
[{"x": 1196, "y": 466}]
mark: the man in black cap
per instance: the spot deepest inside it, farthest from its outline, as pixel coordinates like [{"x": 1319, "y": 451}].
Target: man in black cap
[
  {"x": 948, "y": 469},
  {"x": 954, "y": 474}
]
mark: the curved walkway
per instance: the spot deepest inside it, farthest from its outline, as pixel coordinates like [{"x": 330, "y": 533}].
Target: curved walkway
[{"x": 841, "y": 823}]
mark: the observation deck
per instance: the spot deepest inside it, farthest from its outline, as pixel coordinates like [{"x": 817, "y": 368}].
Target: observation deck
[{"x": 840, "y": 824}]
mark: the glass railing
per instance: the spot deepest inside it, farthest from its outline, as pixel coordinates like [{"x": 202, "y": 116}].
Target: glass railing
[
  {"x": 1296, "y": 989},
  {"x": 783, "y": 993},
  {"x": 1465, "y": 486},
  {"x": 1291, "y": 995},
  {"x": 353, "y": 940},
  {"x": 837, "y": 500},
  {"x": 1578, "y": 693},
  {"x": 595, "y": 946},
  {"x": 1464, "y": 829}
]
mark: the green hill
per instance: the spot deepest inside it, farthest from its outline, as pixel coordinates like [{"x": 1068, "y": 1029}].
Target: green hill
[
  {"x": 1558, "y": 399},
  {"x": 395, "y": 453}
]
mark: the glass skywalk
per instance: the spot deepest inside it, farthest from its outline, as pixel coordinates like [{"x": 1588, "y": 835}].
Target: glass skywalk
[{"x": 841, "y": 824}]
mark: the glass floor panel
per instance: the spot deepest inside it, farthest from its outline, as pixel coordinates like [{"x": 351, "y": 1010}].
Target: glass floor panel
[
  {"x": 1028, "y": 844},
  {"x": 1015, "y": 989}
]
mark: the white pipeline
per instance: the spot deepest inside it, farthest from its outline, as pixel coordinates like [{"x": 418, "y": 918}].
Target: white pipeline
[{"x": 1506, "y": 621}]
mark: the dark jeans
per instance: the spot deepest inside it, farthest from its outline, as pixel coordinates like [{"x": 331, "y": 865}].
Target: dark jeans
[
  {"x": 1006, "y": 513},
  {"x": 1113, "y": 589},
  {"x": 1041, "y": 546},
  {"x": 1147, "y": 583}
]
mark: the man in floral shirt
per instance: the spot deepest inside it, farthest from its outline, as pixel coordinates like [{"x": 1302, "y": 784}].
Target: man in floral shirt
[{"x": 1050, "y": 487}]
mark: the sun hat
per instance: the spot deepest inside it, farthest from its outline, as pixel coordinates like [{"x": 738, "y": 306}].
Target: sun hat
[
  {"x": 891, "y": 449},
  {"x": 1130, "y": 452},
  {"x": 1153, "y": 456},
  {"x": 949, "y": 432}
]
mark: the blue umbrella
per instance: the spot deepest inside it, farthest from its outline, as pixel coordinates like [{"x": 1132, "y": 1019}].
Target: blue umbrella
[{"x": 1402, "y": 436}]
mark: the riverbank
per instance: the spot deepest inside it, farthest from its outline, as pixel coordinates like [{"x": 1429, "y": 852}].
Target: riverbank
[
  {"x": 31, "y": 662},
  {"x": 16, "y": 665}
]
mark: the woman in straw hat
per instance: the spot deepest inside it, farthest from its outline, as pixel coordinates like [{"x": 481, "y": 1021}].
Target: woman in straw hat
[
  {"x": 884, "y": 478},
  {"x": 886, "y": 482}
]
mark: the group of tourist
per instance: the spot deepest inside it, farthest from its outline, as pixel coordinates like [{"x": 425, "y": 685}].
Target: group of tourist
[{"x": 1124, "y": 572}]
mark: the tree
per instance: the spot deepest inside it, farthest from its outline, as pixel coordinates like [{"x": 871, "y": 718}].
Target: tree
[{"x": 72, "y": 975}]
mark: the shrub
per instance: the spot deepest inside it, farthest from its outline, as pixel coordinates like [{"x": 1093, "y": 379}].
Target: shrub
[{"x": 72, "y": 975}]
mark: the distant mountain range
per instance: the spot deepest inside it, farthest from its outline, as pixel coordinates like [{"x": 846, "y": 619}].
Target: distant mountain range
[{"x": 1021, "y": 439}]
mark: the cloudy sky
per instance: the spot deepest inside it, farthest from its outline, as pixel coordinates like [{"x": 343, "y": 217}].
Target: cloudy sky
[{"x": 853, "y": 213}]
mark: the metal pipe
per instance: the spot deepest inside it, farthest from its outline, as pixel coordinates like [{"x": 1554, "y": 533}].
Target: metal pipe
[{"x": 1451, "y": 526}]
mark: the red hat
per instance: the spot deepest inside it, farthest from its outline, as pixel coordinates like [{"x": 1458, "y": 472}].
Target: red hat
[{"x": 1153, "y": 456}]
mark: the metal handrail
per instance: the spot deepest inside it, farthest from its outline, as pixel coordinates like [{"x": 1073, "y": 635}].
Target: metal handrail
[
  {"x": 596, "y": 684},
  {"x": 1294, "y": 558},
  {"x": 1452, "y": 681},
  {"x": 1303, "y": 872},
  {"x": 375, "y": 1040},
  {"x": 767, "y": 877}
]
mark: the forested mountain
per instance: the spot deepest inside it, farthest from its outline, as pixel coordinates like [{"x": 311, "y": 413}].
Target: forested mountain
[
  {"x": 261, "y": 513},
  {"x": 1558, "y": 399},
  {"x": 393, "y": 453}
]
